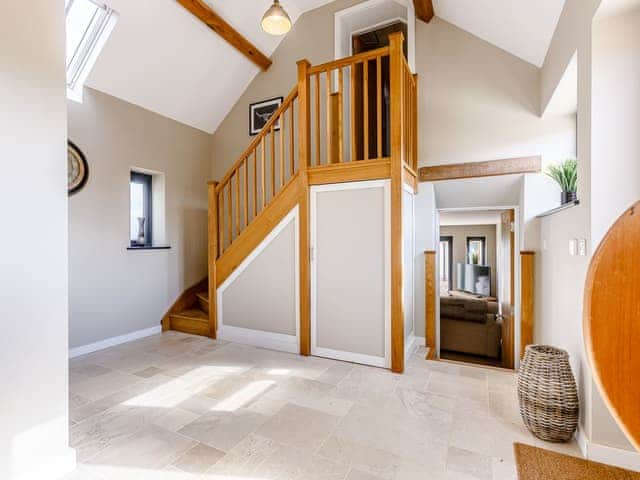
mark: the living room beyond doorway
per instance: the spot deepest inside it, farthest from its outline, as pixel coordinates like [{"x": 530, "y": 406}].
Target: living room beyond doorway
[{"x": 475, "y": 277}]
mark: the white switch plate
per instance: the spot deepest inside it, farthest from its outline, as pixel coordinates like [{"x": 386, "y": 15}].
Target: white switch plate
[
  {"x": 573, "y": 246},
  {"x": 582, "y": 247}
]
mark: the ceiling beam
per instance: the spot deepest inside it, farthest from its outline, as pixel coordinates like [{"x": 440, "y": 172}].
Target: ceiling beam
[
  {"x": 424, "y": 10},
  {"x": 216, "y": 23},
  {"x": 492, "y": 168}
]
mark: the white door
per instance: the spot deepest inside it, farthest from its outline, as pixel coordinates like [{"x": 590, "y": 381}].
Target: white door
[{"x": 350, "y": 272}]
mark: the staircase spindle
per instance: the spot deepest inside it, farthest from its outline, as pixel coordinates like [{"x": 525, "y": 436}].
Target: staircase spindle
[
  {"x": 365, "y": 105},
  {"x": 263, "y": 179},
  {"x": 273, "y": 162},
  {"x": 255, "y": 183},
  {"x": 330, "y": 120},
  {"x": 317, "y": 117},
  {"x": 221, "y": 220},
  {"x": 246, "y": 191},
  {"x": 379, "y": 106},
  {"x": 352, "y": 112},
  {"x": 340, "y": 116},
  {"x": 229, "y": 218},
  {"x": 281, "y": 135},
  {"x": 292, "y": 151}
]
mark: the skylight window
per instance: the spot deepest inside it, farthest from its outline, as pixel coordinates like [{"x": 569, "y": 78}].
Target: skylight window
[{"x": 89, "y": 25}]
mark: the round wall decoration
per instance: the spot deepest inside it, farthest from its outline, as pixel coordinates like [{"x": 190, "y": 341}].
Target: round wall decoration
[{"x": 77, "y": 169}]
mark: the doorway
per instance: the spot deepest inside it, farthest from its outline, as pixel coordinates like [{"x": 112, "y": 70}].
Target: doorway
[
  {"x": 364, "y": 41},
  {"x": 476, "y": 273}
]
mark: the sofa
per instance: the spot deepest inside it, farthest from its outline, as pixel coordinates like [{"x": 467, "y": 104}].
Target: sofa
[{"x": 470, "y": 325}]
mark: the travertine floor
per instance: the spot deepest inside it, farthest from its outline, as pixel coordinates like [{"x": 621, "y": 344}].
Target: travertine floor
[{"x": 179, "y": 407}]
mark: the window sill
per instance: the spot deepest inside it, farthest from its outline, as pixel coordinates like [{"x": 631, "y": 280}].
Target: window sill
[
  {"x": 559, "y": 209},
  {"x": 150, "y": 247}
]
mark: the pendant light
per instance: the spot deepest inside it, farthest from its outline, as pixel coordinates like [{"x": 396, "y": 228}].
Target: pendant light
[{"x": 275, "y": 20}]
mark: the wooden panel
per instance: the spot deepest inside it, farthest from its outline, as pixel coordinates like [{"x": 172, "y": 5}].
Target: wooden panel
[
  {"x": 409, "y": 178},
  {"x": 190, "y": 321},
  {"x": 216, "y": 23},
  {"x": 424, "y": 10},
  {"x": 303, "y": 196},
  {"x": 430, "y": 283},
  {"x": 611, "y": 321},
  {"x": 212, "y": 255},
  {"x": 527, "y": 261},
  {"x": 397, "y": 265},
  {"x": 350, "y": 172},
  {"x": 491, "y": 168},
  {"x": 251, "y": 236}
]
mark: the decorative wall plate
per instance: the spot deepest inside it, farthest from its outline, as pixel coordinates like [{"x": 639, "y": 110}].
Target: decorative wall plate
[{"x": 77, "y": 169}]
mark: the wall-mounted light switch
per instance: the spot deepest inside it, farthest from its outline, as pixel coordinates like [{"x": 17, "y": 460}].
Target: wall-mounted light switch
[
  {"x": 582, "y": 247},
  {"x": 573, "y": 243}
]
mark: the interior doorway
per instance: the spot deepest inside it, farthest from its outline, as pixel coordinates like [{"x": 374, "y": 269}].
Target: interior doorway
[
  {"x": 476, "y": 280},
  {"x": 365, "y": 80}
]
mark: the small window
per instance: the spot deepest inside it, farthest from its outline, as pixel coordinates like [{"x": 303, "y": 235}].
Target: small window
[
  {"x": 476, "y": 250},
  {"x": 141, "y": 210},
  {"x": 446, "y": 264},
  {"x": 88, "y": 25}
]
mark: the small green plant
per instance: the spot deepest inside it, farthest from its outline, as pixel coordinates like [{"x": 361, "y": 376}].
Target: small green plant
[
  {"x": 566, "y": 174},
  {"x": 475, "y": 258}
]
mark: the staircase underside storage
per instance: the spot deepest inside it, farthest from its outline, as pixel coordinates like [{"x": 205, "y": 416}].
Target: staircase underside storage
[{"x": 337, "y": 125}]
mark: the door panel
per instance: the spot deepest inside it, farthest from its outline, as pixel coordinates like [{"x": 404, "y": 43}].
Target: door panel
[{"x": 350, "y": 313}]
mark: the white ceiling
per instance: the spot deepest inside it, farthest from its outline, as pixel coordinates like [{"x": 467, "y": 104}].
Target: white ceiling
[
  {"x": 164, "y": 59},
  {"x": 523, "y": 28},
  {"x": 470, "y": 217},
  {"x": 479, "y": 193}
]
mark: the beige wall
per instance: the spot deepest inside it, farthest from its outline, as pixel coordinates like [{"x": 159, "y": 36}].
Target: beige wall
[
  {"x": 33, "y": 264},
  {"x": 113, "y": 291},
  {"x": 460, "y": 234}
]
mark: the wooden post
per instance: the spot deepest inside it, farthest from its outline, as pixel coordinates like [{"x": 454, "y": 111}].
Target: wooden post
[
  {"x": 397, "y": 308},
  {"x": 212, "y": 255},
  {"x": 527, "y": 260},
  {"x": 430, "y": 302},
  {"x": 304, "y": 139}
]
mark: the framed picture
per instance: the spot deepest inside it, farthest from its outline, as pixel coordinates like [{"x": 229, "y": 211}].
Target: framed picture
[
  {"x": 77, "y": 169},
  {"x": 261, "y": 112}
]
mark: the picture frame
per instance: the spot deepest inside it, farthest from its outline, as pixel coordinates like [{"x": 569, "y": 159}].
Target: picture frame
[{"x": 261, "y": 112}]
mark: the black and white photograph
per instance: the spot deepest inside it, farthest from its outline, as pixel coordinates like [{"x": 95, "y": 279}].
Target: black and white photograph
[{"x": 261, "y": 112}]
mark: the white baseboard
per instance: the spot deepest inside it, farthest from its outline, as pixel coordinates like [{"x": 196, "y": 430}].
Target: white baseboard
[
  {"x": 113, "y": 341},
  {"x": 56, "y": 468},
  {"x": 617, "y": 457},
  {"x": 350, "y": 357},
  {"x": 259, "y": 338},
  {"x": 410, "y": 344}
]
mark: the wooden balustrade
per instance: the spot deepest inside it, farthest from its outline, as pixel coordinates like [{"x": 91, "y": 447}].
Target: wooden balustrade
[
  {"x": 349, "y": 109},
  {"x": 348, "y": 119},
  {"x": 258, "y": 175}
]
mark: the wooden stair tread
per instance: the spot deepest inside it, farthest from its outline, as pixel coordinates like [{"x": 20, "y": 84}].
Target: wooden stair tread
[
  {"x": 194, "y": 314},
  {"x": 203, "y": 296}
]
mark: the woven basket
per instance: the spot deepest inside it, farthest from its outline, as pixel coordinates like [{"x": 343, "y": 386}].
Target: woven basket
[{"x": 547, "y": 393}]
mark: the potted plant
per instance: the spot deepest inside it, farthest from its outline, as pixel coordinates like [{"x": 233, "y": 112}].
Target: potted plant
[{"x": 566, "y": 174}]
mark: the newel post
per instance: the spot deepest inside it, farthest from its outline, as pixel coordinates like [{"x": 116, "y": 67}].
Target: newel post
[
  {"x": 212, "y": 230},
  {"x": 396, "y": 121},
  {"x": 304, "y": 140}
]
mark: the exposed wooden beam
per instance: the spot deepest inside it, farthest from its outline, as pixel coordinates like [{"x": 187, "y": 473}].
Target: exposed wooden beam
[
  {"x": 216, "y": 23},
  {"x": 424, "y": 10},
  {"x": 492, "y": 168}
]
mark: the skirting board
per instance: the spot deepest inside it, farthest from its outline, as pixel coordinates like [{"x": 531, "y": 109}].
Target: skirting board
[
  {"x": 259, "y": 338},
  {"x": 113, "y": 341},
  {"x": 604, "y": 454},
  {"x": 411, "y": 342}
]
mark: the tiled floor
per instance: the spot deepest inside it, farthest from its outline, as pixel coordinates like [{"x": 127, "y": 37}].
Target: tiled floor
[{"x": 179, "y": 407}]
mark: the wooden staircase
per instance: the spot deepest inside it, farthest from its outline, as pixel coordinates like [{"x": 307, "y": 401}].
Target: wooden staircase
[
  {"x": 190, "y": 313},
  {"x": 344, "y": 121}
]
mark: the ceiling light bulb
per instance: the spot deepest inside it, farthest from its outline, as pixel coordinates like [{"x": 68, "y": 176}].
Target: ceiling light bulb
[{"x": 275, "y": 20}]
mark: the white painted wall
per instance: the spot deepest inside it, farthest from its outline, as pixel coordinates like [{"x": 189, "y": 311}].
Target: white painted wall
[
  {"x": 114, "y": 291},
  {"x": 426, "y": 228},
  {"x": 33, "y": 264},
  {"x": 615, "y": 160},
  {"x": 408, "y": 254}
]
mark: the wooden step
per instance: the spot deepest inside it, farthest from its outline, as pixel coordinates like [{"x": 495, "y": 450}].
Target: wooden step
[
  {"x": 193, "y": 321},
  {"x": 203, "y": 301}
]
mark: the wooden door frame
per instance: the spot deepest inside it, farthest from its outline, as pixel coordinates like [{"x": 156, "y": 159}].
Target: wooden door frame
[{"x": 517, "y": 277}]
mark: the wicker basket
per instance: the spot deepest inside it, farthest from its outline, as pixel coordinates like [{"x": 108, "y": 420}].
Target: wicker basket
[{"x": 547, "y": 393}]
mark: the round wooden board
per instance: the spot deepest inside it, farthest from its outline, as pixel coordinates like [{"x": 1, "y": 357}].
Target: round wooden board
[{"x": 612, "y": 320}]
